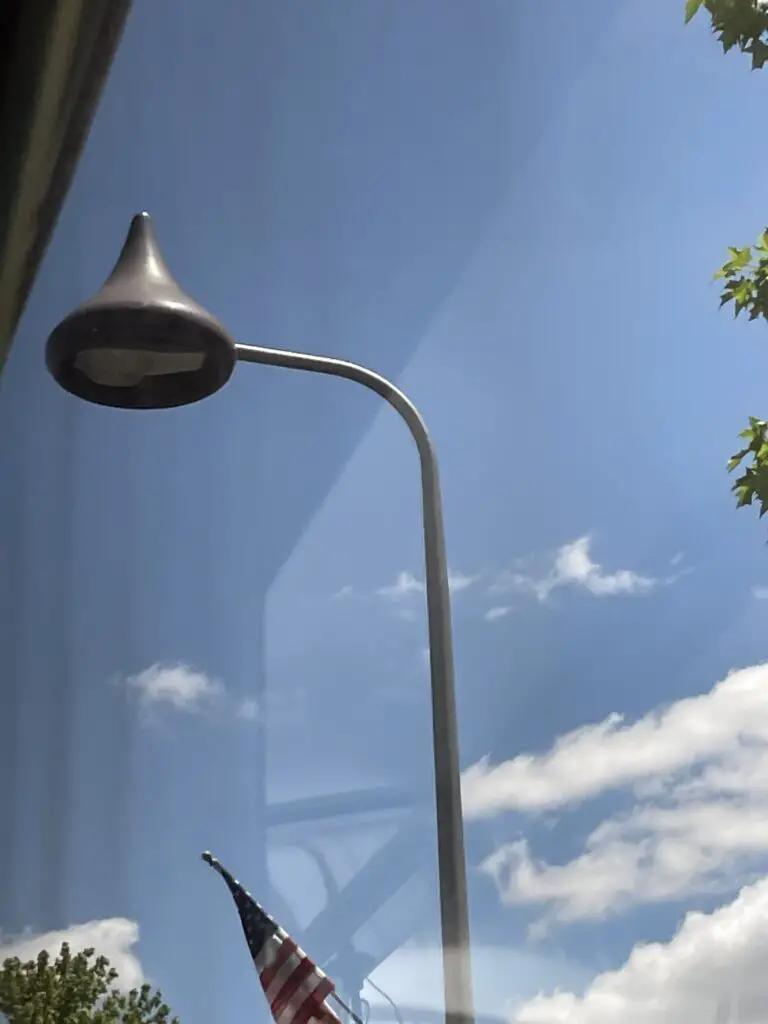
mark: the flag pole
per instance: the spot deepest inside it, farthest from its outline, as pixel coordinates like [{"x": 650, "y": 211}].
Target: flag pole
[{"x": 344, "y": 1006}]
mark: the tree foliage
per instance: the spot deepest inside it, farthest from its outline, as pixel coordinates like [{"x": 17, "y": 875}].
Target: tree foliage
[
  {"x": 744, "y": 24},
  {"x": 737, "y": 23},
  {"x": 746, "y": 279},
  {"x": 74, "y": 989},
  {"x": 753, "y": 483}
]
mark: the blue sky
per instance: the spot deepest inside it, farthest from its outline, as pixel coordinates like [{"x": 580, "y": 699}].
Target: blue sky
[{"x": 514, "y": 210}]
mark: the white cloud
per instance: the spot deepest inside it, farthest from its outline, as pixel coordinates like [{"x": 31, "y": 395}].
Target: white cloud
[
  {"x": 698, "y": 773},
  {"x": 655, "y": 855},
  {"x": 248, "y": 710},
  {"x": 406, "y": 584},
  {"x": 458, "y": 581},
  {"x": 760, "y": 593},
  {"x": 712, "y": 970},
  {"x": 571, "y": 565},
  {"x": 611, "y": 754},
  {"x": 574, "y": 566},
  {"x": 179, "y": 686},
  {"x": 497, "y": 612},
  {"x": 413, "y": 978},
  {"x": 113, "y": 937},
  {"x": 346, "y": 591}
]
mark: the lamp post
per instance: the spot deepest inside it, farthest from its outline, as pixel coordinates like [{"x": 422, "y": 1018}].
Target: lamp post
[{"x": 142, "y": 343}]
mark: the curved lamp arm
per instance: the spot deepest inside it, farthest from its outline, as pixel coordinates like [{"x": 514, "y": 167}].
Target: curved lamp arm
[{"x": 454, "y": 912}]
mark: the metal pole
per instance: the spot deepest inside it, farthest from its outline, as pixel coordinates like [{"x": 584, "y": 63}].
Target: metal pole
[{"x": 452, "y": 871}]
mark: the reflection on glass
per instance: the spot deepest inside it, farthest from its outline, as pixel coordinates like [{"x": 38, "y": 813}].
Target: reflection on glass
[{"x": 212, "y": 627}]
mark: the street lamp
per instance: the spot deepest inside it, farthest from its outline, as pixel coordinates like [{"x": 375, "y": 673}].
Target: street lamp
[{"x": 142, "y": 343}]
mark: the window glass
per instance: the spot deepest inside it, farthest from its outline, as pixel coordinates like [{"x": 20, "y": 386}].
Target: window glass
[{"x": 214, "y": 631}]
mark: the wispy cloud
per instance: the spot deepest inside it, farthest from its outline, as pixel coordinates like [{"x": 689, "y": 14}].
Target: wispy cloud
[
  {"x": 571, "y": 565},
  {"x": 113, "y": 937},
  {"x": 697, "y": 773},
  {"x": 713, "y": 969},
  {"x": 177, "y": 686},
  {"x": 458, "y": 581},
  {"x": 574, "y": 566},
  {"x": 405, "y": 585},
  {"x": 760, "y": 593},
  {"x": 248, "y": 710},
  {"x": 498, "y": 611}
]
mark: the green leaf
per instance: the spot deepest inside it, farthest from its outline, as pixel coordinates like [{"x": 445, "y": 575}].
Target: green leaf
[
  {"x": 744, "y": 495},
  {"x": 736, "y": 459},
  {"x": 691, "y": 9}
]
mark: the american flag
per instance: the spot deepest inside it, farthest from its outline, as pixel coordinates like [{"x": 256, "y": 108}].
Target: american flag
[{"x": 296, "y": 989}]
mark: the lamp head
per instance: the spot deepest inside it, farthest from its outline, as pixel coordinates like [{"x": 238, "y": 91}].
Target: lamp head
[{"x": 140, "y": 342}]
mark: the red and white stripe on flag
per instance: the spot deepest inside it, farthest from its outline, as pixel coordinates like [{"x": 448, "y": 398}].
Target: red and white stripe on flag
[{"x": 296, "y": 989}]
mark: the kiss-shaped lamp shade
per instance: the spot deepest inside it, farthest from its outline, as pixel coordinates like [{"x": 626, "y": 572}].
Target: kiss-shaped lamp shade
[{"x": 141, "y": 342}]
